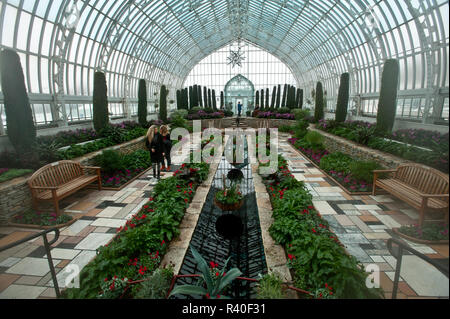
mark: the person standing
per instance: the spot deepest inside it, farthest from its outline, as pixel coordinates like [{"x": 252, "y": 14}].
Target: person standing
[
  {"x": 154, "y": 143},
  {"x": 239, "y": 108},
  {"x": 167, "y": 143}
]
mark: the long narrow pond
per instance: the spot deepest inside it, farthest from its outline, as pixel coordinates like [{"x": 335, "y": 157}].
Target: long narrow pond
[{"x": 237, "y": 236}]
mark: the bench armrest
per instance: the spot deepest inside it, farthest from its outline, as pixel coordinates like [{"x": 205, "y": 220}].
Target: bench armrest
[
  {"x": 435, "y": 195},
  {"x": 384, "y": 171},
  {"x": 91, "y": 167},
  {"x": 44, "y": 187}
]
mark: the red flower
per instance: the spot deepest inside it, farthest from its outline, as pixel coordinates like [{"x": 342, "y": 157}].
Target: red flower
[
  {"x": 314, "y": 231},
  {"x": 163, "y": 242},
  {"x": 207, "y": 295},
  {"x": 217, "y": 274},
  {"x": 218, "y": 296},
  {"x": 310, "y": 207},
  {"x": 291, "y": 256},
  {"x": 186, "y": 200}
]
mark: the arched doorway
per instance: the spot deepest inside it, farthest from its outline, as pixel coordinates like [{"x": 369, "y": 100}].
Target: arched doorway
[{"x": 239, "y": 89}]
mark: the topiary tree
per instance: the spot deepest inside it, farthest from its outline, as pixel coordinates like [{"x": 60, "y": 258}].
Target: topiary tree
[
  {"x": 205, "y": 97},
  {"x": 191, "y": 97},
  {"x": 199, "y": 96},
  {"x": 318, "y": 111},
  {"x": 163, "y": 104},
  {"x": 214, "y": 102},
  {"x": 387, "y": 104},
  {"x": 221, "y": 100},
  {"x": 342, "y": 101},
  {"x": 274, "y": 92},
  {"x": 209, "y": 99},
  {"x": 300, "y": 102},
  {"x": 262, "y": 98},
  {"x": 278, "y": 105},
  {"x": 267, "y": 97},
  {"x": 185, "y": 99},
  {"x": 179, "y": 107},
  {"x": 100, "y": 113},
  {"x": 283, "y": 103},
  {"x": 297, "y": 98},
  {"x": 19, "y": 116},
  {"x": 142, "y": 102},
  {"x": 257, "y": 99},
  {"x": 195, "y": 95}
]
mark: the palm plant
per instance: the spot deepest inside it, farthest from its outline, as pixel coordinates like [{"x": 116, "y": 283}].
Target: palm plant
[{"x": 212, "y": 280}]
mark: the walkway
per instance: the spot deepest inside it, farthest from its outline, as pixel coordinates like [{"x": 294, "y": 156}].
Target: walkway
[{"x": 360, "y": 222}]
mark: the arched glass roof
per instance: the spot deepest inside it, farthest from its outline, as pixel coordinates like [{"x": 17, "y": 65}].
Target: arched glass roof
[{"x": 62, "y": 43}]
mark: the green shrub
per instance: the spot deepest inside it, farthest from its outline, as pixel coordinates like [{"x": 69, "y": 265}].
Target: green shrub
[
  {"x": 338, "y": 162},
  {"x": 142, "y": 102},
  {"x": 342, "y": 102},
  {"x": 19, "y": 117},
  {"x": 283, "y": 110},
  {"x": 319, "y": 106},
  {"x": 300, "y": 114},
  {"x": 363, "y": 170},
  {"x": 387, "y": 103},
  {"x": 110, "y": 161},
  {"x": 100, "y": 113},
  {"x": 270, "y": 287},
  {"x": 163, "y": 104},
  {"x": 13, "y": 173},
  {"x": 301, "y": 129},
  {"x": 314, "y": 138},
  {"x": 155, "y": 286}
]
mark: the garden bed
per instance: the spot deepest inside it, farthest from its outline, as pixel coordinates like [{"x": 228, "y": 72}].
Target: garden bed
[
  {"x": 110, "y": 188},
  {"x": 318, "y": 260},
  {"x": 315, "y": 158},
  {"x": 439, "y": 232},
  {"x": 7, "y": 174},
  {"x": 136, "y": 251},
  {"x": 14, "y": 220}
]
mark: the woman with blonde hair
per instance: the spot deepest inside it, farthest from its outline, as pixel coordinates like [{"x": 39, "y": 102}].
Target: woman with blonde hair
[
  {"x": 164, "y": 130},
  {"x": 154, "y": 144}
]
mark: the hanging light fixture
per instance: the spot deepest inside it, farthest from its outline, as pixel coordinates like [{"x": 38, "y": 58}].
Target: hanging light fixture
[{"x": 237, "y": 57}]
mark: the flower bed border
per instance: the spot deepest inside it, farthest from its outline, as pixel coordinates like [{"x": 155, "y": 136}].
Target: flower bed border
[
  {"x": 109, "y": 188},
  {"x": 34, "y": 226},
  {"x": 330, "y": 177},
  {"x": 420, "y": 241}
]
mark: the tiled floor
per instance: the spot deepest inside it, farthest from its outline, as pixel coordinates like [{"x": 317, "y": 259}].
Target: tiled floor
[{"x": 361, "y": 223}]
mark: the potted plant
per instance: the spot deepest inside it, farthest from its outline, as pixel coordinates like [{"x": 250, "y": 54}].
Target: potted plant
[
  {"x": 230, "y": 198},
  {"x": 213, "y": 281}
]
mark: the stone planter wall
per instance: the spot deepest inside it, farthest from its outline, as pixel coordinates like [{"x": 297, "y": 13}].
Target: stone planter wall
[
  {"x": 335, "y": 143},
  {"x": 15, "y": 195},
  {"x": 251, "y": 122}
]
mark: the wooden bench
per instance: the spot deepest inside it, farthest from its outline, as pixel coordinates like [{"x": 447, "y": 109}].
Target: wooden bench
[
  {"x": 58, "y": 180},
  {"x": 422, "y": 187}
]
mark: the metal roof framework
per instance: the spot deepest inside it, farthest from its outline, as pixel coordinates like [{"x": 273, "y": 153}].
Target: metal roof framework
[{"x": 62, "y": 43}]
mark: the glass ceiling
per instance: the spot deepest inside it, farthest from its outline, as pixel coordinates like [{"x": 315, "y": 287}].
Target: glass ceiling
[{"x": 62, "y": 42}]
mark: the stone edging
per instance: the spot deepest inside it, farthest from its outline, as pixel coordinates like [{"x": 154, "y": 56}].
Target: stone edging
[{"x": 178, "y": 246}]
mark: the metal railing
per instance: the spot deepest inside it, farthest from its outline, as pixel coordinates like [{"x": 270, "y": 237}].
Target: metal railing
[
  {"x": 398, "y": 254},
  {"x": 47, "y": 245}
]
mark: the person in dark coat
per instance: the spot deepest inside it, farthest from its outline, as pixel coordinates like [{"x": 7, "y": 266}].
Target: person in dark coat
[
  {"x": 164, "y": 131},
  {"x": 154, "y": 143}
]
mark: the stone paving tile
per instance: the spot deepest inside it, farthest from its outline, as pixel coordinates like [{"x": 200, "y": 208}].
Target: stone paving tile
[
  {"x": 30, "y": 266},
  {"x": 9, "y": 262},
  {"x": 108, "y": 222},
  {"x": 6, "y": 280},
  {"x": 21, "y": 292},
  {"x": 28, "y": 280},
  {"x": 93, "y": 241},
  {"x": 76, "y": 227},
  {"x": 109, "y": 212},
  {"x": 60, "y": 253}
]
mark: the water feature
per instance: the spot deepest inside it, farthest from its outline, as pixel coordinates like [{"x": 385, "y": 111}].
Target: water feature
[{"x": 223, "y": 234}]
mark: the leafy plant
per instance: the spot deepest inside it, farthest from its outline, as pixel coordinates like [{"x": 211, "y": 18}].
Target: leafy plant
[
  {"x": 110, "y": 161},
  {"x": 228, "y": 196},
  {"x": 155, "y": 286},
  {"x": 337, "y": 161},
  {"x": 270, "y": 287},
  {"x": 387, "y": 103},
  {"x": 363, "y": 170},
  {"x": 8, "y": 174},
  {"x": 315, "y": 139},
  {"x": 100, "y": 113},
  {"x": 429, "y": 231},
  {"x": 214, "y": 279},
  {"x": 19, "y": 117}
]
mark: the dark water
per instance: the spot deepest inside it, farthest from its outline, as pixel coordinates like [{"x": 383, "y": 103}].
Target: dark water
[{"x": 246, "y": 251}]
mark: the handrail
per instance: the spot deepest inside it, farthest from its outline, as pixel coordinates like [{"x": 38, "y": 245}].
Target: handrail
[
  {"x": 399, "y": 255},
  {"x": 47, "y": 245}
]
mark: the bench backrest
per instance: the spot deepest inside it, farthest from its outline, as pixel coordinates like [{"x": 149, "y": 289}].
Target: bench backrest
[
  {"x": 426, "y": 179},
  {"x": 56, "y": 174}
]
